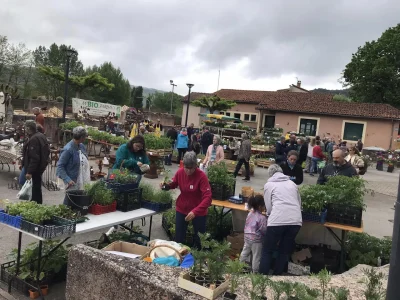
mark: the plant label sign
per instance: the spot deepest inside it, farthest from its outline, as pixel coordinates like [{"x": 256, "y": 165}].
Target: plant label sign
[{"x": 93, "y": 108}]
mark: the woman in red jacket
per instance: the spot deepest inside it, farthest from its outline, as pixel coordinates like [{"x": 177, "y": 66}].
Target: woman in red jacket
[
  {"x": 193, "y": 202},
  {"x": 318, "y": 156}
]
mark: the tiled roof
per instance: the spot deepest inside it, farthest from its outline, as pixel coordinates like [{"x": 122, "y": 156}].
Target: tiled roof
[
  {"x": 324, "y": 104},
  {"x": 194, "y": 96},
  {"x": 314, "y": 103}
]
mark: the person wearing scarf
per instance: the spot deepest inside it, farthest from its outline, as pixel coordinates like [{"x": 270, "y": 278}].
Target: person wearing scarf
[{"x": 215, "y": 152}]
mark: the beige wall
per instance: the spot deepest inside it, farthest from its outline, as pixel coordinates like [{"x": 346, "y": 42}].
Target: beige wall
[
  {"x": 377, "y": 132},
  {"x": 193, "y": 116},
  {"x": 246, "y": 109}
]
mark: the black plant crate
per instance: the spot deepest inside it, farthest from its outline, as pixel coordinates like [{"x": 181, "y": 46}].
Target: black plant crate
[
  {"x": 221, "y": 192},
  {"x": 315, "y": 217},
  {"x": 17, "y": 283},
  {"x": 54, "y": 228},
  {"x": 121, "y": 187},
  {"x": 344, "y": 215},
  {"x": 158, "y": 207},
  {"x": 129, "y": 200}
]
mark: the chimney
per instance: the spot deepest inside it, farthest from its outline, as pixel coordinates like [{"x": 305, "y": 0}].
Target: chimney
[{"x": 298, "y": 83}]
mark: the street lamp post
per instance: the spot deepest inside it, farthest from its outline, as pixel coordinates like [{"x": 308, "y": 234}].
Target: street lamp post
[
  {"x": 190, "y": 85},
  {"x": 171, "y": 82},
  {"x": 69, "y": 53}
]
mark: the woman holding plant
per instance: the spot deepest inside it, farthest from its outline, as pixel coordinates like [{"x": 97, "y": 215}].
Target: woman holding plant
[
  {"x": 73, "y": 166},
  {"x": 215, "y": 152},
  {"x": 193, "y": 202},
  {"x": 132, "y": 156}
]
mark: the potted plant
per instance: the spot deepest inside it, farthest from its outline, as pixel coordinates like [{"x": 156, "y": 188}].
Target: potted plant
[
  {"x": 167, "y": 180},
  {"x": 390, "y": 161},
  {"x": 314, "y": 199},
  {"x": 222, "y": 183},
  {"x": 234, "y": 269},
  {"x": 103, "y": 198},
  {"x": 123, "y": 180},
  {"x": 157, "y": 200},
  {"x": 379, "y": 161}
]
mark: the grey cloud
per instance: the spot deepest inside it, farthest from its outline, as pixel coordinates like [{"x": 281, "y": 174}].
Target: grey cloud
[{"x": 311, "y": 38}]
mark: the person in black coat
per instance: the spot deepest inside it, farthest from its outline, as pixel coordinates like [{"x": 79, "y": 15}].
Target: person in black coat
[
  {"x": 280, "y": 151},
  {"x": 303, "y": 150},
  {"x": 292, "y": 169}
]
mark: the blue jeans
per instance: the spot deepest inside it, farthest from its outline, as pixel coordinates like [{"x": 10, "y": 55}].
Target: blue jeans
[
  {"x": 199, "y": 225},
  {"x": 285, "y": 236},
  {"x": 22, "y": 178},
  {"x": 314, "y": 164}
]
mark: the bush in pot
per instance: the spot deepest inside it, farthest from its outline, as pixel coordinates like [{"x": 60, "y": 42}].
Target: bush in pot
[
  {"x": 222, "y": 183},
  {"x": 234, "y": 269}
]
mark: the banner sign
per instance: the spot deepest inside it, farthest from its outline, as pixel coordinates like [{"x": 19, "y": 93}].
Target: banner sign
[{"x": 93, "y": 108}]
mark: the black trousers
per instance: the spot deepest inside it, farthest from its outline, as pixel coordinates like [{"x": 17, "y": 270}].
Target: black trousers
[
  {"x": 246, "y": 166},
  {"x": 37, "y": 188},
  {"x": 181, "y": 153}
]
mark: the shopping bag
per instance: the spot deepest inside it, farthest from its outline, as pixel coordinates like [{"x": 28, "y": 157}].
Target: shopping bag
[{"x": 26, "y": 191}]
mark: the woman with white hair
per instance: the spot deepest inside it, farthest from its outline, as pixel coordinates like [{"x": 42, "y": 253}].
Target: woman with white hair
[
  {"x": 73, "y": 166},
  {"x": 215, "y": 152},
  {"x": 193, "y": 202},
  {"x": 283, "y": 203}
]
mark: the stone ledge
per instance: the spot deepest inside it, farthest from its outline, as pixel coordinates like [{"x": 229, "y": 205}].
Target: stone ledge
[{"x": 94, "y": 275}]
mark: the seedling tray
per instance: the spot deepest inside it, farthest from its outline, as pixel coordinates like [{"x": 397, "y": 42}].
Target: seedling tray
[
  {"x": 344, "y": 215},
  {"x": 17, "y": 283},
  {"x": 14, "y": 221},
  {"x": 314, "y": 217},
  {"x": 54, "y": 228},
  {"x": 129, "y": 200},
  {"x": 185, "y": 283},
  {"x": 97, "y": 209},
  {"x": 157, "y": 207}
]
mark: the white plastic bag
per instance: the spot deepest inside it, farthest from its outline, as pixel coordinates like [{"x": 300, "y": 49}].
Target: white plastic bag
[
  {"x": 84, "y": 172},
  {"x": 26, "y": 191}
]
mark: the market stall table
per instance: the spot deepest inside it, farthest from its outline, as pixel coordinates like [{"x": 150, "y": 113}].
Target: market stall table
[
  {"x": 228, "y": 207},
  {"x": 8, "y": 157},
  {"x": 95, "y": 222}
]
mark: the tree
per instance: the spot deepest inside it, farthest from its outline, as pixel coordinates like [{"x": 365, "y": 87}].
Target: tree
[
  {"x": 55, "y": 57},
  {"x": 3, "y": 53},
  {"x": 149, "y": 101},
  {"x": 119, "y": 95},
  {"x": 213, "y": 103},
  {"x": 162, "y": 103},
  {"x": 79, "y": 83},
  {"x": 137, "y": 97},
  {"x": 18, "y": 57},
  {"x": 374, "y": 70},
  {"x": 341, "y": 98}
]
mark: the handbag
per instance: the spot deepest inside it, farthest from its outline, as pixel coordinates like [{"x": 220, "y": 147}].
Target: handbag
[{"x": 26, "y": 191}]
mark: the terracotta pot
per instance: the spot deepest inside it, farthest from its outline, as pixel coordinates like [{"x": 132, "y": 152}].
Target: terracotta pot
[
  {"x": 33, "y": 294},
  {"x": 45, "y": 289}
]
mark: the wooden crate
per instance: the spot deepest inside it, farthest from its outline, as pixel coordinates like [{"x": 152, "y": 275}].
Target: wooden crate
[
  {"x": 185, "y": 283},
  {"x": 265, "y": 163}
]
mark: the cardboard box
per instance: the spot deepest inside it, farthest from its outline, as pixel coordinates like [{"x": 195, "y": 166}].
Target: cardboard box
[
  {"x": 237, "y": 241},
  {"x": 185, "y": 283},
  {"x": 131, "y": 250}
]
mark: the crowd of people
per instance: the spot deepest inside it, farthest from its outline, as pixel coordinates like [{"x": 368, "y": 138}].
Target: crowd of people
[{"x": 274, "y": 218}]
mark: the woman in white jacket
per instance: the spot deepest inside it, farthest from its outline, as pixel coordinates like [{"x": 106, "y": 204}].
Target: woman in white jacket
[{"x": 283, "y": 203}]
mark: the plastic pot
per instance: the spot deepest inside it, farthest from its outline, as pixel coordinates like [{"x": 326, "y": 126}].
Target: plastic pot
[
  {"x": 229, "y": 296},
  {"x": 193, "y": 276},
  {"x": 200, "y": 280}
]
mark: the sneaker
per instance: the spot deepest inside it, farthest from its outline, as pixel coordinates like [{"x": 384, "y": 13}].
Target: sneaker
[
  {"x": 311, "y": 174},
  {"x": 246, "y": 179}
]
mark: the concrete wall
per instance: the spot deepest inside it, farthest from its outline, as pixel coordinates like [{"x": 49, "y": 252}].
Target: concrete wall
[
  {"x": 96, "y": 275},
  {"x": 377, "y": 132}
]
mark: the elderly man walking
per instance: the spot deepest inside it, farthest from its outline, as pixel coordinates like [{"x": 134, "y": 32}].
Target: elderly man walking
[
  {"x": 244, "y": 157},
  {"x": 36, "y": 153}
]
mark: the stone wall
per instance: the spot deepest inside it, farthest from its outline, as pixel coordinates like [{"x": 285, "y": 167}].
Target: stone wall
[{"x": 94, "y": 275}]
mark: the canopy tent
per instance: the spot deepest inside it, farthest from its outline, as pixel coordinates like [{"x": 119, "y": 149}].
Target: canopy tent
[{"x": 220, "y": 117}]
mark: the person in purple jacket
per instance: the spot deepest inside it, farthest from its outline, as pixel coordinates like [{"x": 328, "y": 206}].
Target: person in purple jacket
[{"x": 254, "y": 232}]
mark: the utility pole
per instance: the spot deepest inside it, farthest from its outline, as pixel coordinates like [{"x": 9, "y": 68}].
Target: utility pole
[
  {"x": 171, "y": 82},
  {"x": 190, "y": 85}
]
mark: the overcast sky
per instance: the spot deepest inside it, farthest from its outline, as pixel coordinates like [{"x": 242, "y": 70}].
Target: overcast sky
[{"x": 257, "y": 44}]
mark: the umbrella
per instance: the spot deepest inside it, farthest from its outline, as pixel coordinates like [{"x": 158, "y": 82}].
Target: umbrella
[{"x": 220, "y": 117}]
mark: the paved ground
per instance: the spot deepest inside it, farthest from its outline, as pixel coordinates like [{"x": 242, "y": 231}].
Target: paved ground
[{"x": 376, "y": 218}]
